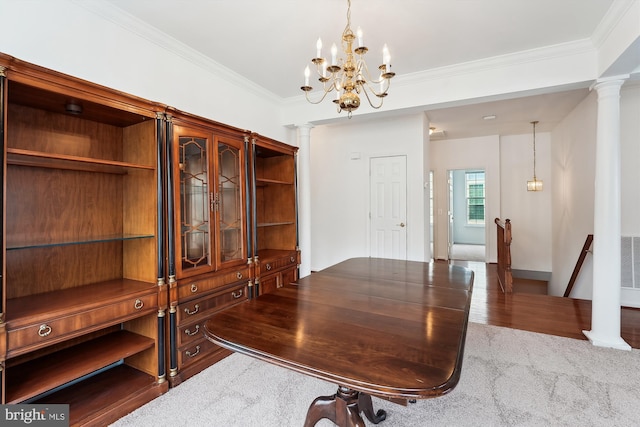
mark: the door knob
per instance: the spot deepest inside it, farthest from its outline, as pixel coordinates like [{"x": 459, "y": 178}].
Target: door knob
[{"x": 401, "y": 224}]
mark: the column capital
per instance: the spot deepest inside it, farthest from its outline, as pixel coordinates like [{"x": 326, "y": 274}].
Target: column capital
[
  {"x": 304, "y": 129},
  {"x": 609, "y": 81}
]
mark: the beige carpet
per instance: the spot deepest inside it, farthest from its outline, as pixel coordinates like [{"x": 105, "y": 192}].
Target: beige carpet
[{"x": 509, "y": 378}]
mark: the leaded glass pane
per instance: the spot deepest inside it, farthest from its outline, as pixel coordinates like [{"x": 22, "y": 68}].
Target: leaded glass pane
[
  {"x": 194, "y": 203},
  {"x": 230, "y": 203}
]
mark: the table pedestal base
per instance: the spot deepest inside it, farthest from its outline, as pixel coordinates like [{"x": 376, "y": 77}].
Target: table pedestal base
[{"x": 343, "y": 408}]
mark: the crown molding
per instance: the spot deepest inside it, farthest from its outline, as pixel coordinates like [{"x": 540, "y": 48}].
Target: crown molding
[
  {"x": 611, "y": 19},
  {"x": 546, "y": 53},
  {"x": 130, "y": 23}
]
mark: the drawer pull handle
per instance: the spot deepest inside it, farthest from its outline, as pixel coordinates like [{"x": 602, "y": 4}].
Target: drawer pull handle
[
  {"x": 239, "y": 275},
  {"x": 195, "y": 310},
  {"x": 268, "y": 267},
  {"x": 292, "y": 259},
  {"x": 138, "y": 304},
  {"x": 188, "y": 353},
  {"x": 188, "y": 332},
  {"x": 44, "y": 330},
  {"x": 194, "y": 288},
  {"x": 237, "y": 294}
]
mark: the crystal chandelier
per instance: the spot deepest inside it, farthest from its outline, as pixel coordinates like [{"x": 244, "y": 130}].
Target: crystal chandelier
[
  {"x": 350, "y": 77},
  {"x": 535, "y": 184}
]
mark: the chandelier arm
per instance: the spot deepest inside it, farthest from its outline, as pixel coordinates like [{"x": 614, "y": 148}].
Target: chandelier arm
[
  {"x": 367, "y": 75},
  {"x": 366, "y": 93},
  {"x": 369, "y": 85},
  {"x": 324, "y": 95}
]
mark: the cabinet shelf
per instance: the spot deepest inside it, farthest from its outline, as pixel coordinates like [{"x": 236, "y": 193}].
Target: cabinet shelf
[
  {"x": 48, "y": 305},
  {"x": 275, "y": 224},
  {"x": 107, "y": 396},
  {"x": 37, "y": 376},
  {"x": 80, "y": 241},
  {"x": 267, "y": 181},
  {"x": 20, "y": 157}
]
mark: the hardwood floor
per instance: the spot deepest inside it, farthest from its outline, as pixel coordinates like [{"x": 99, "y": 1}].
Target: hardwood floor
[{"x": 560, "y": 316}]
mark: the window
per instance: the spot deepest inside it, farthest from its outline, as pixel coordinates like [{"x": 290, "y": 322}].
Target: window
[{"x": 474, "y": 183}]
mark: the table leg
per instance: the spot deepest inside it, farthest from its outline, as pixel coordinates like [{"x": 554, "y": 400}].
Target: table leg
[
  {"x": 366, "y": 406},
  {"x": 343, "y": 409}
]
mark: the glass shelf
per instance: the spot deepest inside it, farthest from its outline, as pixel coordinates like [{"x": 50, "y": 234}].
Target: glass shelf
[
  {"x": 97, "y": 239},
  {"x": 274, "y": 224},
  {"x": 267, "y": 181}
]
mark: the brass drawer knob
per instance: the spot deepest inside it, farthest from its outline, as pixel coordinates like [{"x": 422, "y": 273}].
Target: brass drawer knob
[
  {"x": 292, "y": 259},
  {"x": 195, "y": 331},
  {"x": 138, "y": 304},
  {"x": 194, "y": 288},
  {"x": 239, "y": 275},
  {"x": 237, "y": 294},
  {"x": 268, "y": 267},
  {"x": 44, "y": 330}
]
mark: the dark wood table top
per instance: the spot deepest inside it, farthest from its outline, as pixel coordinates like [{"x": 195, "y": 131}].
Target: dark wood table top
[{"x": 388, "y": 328}]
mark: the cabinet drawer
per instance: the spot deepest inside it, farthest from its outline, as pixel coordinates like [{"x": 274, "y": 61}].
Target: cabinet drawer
[
  {"x": 275, "y": 264},
  {"x": 200, "y": 308},
  {"x": 190, "y": 332},
  {"x": 196, "y": 351},
  {"x": 45, "y": 333},
  {"x": 193, "y": 288}
]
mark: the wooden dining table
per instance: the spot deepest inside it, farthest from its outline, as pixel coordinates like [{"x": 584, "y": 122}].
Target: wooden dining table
[{"x": 375, "y": 327}]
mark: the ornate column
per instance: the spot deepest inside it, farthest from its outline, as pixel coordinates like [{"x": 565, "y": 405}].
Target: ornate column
[
  {"x": 304, "y": 197},
  {"x": 605, "y": 315}
]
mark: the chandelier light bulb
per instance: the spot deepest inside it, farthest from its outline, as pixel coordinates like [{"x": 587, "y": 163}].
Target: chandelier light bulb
[
  {"x": 386, "y": 57},
  {"x": 319, "y": 48},
  {"x": 334, "y": 53},
  {"x": 359, "y": 33}
]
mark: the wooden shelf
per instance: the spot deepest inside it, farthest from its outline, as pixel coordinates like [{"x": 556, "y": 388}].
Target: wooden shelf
[
  {"x": 37, "y": 376},
  {"x": 20, "y": 157},
  {"x": 103, "y": 398}
]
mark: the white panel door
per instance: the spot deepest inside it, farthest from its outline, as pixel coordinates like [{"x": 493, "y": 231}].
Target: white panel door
[{"x": 388, "y": 210}]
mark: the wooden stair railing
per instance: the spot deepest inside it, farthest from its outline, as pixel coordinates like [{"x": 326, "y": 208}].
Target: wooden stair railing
[
  {"x": 504, "y": 255},
  {"x": 576, "y": 270}
]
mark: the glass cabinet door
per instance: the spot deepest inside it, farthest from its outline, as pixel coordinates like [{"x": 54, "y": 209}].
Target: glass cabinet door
[
  {"x": 230, "y": 201},
  {"x": 194, "y": 242}
]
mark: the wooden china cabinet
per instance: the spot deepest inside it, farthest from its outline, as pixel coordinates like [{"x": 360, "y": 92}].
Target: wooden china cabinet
[
  {"x": 83, "y": 291},
  {"x": 208, "y": 240},
  {"x": 274, "y": 214},
  {"x": 125, "y": 225}
]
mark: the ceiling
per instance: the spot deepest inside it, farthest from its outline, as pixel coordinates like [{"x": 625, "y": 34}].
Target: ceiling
[{"x": 270, "y": 42}]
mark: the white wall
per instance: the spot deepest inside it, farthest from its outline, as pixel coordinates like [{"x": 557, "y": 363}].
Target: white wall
[
  {"x": 573, "y": 171},
  {"x": 66, "y": 37},
  {"x": 630, "y": 149},
  {"x": 529, "y": 211},
  {"x": 340, "y": 185}
]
